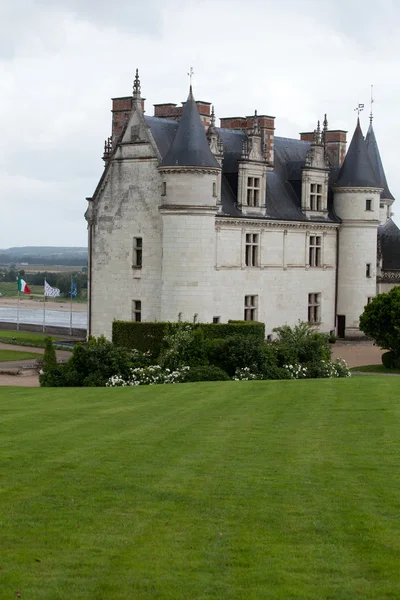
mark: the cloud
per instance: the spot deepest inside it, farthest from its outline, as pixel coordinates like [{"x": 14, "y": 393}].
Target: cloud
[{"x": 63, "y": 59}]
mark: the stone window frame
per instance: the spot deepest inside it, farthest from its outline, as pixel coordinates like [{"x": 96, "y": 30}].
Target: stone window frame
[
  {"x": 137, "y": 311},
  {"x": 214, "y": 189},
  {"x": 216, "y": 319},
  {"x": 253, "y": 191},
  {"x": 368, "y": 205},
  {"x": 368, "y": 270},
  {"x": 314, "y": 307},
  {"x": 316, "y": 191},
  {"x": 251, "y": 307},
  {"x": 252, "y": 249},
  {"x": 137, "y": 252},
  {"x": 315, "y": 251},
  {"x": 369, "y": 299}
]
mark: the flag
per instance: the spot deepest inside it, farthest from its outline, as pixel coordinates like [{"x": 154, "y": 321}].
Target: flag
[
  {"x": 74, "y": 292},
  {"x": 50, "y": 291},
  {"x": 22, "y": 286}
]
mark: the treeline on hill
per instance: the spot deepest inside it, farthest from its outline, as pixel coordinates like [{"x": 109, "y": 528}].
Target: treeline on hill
[
  {"x": 62, "y": 281},
  {"x": 42, "y": 255}
]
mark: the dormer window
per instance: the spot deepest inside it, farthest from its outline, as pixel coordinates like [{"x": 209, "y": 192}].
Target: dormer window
[
  {"x": 316, "y": 196},
  {"x": 253, "y": 191}
]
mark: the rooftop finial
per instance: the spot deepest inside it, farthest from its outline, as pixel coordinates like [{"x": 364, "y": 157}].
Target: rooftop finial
[
  {"x": 371, "y": 116},
  {"x": 256, "y": 128},
  {"x": 317, "y": 133},
  {"x": 136, "y": 86},
  {"x": 212, "y": 116},
  {"x": 325, "y": 125},
  {"x": 190, "y": 75},
  {"x": 359, "y": 109}
]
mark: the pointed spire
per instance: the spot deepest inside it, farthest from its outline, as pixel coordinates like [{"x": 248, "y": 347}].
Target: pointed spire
[
  {"x": 136, "y": 86},
  {"x": 357, "y": 170},
  {"x": 376, "y": 162},
  {"x": 317, "y": 134},
  {"x": 325, "y": 124},
  {"x": 212, "y": 116},
  {"x": 371, "y": 116},
  {"x": 256, "y": 125},
  {"x": 190, "y": 146}
]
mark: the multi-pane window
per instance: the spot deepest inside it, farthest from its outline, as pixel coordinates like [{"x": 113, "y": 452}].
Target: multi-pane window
[
  {"x": 252, "y": 245},
  {"x": 250, "y": 308},
  {"x": 314, "y": 308},
  {"x": 316, "y": 196},
  {"x": 216, "y": 319},
  {"x": 368, "y": 205},
  {"x": 368, "y": 270},
  {"x": 137, "y": 251},
  {"x": 253, "y": 191},
  {"x": 314, "y": 253},
  {"x": 136, "y": 310}
]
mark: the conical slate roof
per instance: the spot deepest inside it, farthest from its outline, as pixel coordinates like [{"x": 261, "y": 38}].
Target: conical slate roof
[
  {"x": 376, "y": 162},
  {"x": 389, "y": 237},
  {"x": 190, "y": 146},
  {"x": 357, "y": 170}
]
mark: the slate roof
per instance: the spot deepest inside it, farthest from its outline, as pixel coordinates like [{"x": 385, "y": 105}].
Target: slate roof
[
  {"x": 389, "y": 239},
  {"x": 376, "y": 162},
  {"x": 357, "y": 170},
  {"x": 190, "y": 147}
]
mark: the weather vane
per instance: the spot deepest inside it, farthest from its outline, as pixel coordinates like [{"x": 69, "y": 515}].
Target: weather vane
[
  {"x": 371, "y": 116},
  {"x": 190, "y": 74},
  {"x": 359, "y": 108}
]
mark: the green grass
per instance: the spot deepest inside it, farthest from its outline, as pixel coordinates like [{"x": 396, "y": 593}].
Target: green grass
[
  {"x": 8, "y": 355},
  {"x": 216, "y": 491},
  {"x": 22, "y": 336},
  {"x": 374, "y": 369}
]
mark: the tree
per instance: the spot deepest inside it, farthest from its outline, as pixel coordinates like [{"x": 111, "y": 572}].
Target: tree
[{"x": 381, "y": 321}]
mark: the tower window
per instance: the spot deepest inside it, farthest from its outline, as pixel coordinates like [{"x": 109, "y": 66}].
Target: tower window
[
  {"x": 250, "y": 308},
  {"x": 368, "y": 204},
  {"x": 137, "y": 252},
  {"x": 251, "y": 252},
  {"x": 164, "y": 188},
  {"x": 216, "y": 319},
  {"x": 314, "y": 253},
  {"x": 137, "y": 310},
  {"x": 214, "y": 189},
  {"x": 253, "y": 191},
  {"x": 316, "y": 196},
  {"x": 314, "y": 308},
  {"x": 368, "y": 270}
]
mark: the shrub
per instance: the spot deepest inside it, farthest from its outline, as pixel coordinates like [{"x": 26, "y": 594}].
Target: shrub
[
  {"x": 300, "y": 344},
  {"x": 389, "y": 360},
  {"x": 183, "y": 345},
  {"x": 152, "y": 375},
  {"x": 49, "y": 372},
  {"x": 381, "y": 320},
  {"x": 244, "y": 374},
  {"x": 206, "y": 373},
  {"x": 237, "y": 352},
  {"x": 150, "y": 336}
]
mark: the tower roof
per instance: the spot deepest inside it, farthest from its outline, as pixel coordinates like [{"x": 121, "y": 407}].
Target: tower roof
[
  {"x": 376, "y": 162},
  {"x": 190, "y": 146},
  {"x": 357, "y": 170}
]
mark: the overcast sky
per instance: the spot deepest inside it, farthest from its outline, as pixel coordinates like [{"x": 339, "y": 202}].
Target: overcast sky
[{"x": 62, "y": 60}]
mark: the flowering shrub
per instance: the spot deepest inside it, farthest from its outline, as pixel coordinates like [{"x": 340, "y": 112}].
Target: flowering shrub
[
  {"x": 341, "y": 367},
  {"x": 296, "y": 371},
  {"x": 152, "y": 375},
  {"x": 244, "y": 374}
]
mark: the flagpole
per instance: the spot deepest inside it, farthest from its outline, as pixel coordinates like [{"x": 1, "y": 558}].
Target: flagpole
[
  {"x": 18, "y": 311},
  {"x": 44, "y": 305},
  {"x": 70, "y": 316}
]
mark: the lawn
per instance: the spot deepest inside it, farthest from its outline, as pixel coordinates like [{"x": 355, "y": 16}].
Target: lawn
[
  {"x": 374, "y": 369},
  {"x": 9, "y": 355},
  {"x": 216, "y": 491},
  {"x": 22, "y": 336}
]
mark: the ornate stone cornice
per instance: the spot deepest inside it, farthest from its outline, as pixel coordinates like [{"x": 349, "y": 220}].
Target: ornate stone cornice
[
  {"x": 205, "y": 170},
  {"x": 180, "y": 209},
  {"x": 389, "y": 277},
  {"x": 352, "y": 190},
  {"x": 264, "y": 223}
]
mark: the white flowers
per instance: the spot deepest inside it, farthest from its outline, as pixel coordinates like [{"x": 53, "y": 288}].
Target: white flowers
[
  {"x": 296, "y": 371},
  {"x": 152, "y": 375},
  {"x": 243, "y": 374}
]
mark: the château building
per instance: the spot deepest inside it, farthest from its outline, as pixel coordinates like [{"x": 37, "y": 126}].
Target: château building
[{"x": 235, "y": 222}]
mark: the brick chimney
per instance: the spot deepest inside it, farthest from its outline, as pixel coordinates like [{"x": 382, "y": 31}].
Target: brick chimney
[
  {"x": 171, "y": 111},
  {"x": 267, "y": 128},
  {"x": 335, "y": 141},
  {"x": 121, "y": 110}
]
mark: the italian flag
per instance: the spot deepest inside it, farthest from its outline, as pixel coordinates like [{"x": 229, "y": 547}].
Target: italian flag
[{"x": 22, "y": 287}]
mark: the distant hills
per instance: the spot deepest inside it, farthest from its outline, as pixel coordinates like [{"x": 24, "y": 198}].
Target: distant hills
[{"x": 44, "y": 255}]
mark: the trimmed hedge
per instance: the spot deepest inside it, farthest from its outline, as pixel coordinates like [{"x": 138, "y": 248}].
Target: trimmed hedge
[{"x": 149, "y": 336}]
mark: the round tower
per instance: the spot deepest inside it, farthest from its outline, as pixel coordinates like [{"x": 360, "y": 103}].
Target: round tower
[
  {"x": 190, "y": 173},
  {"x": 356, "y": 202}
]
